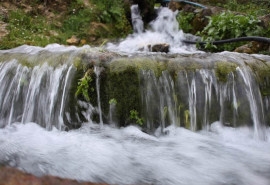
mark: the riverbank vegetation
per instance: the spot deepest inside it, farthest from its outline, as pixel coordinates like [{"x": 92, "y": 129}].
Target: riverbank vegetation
[
  {"x": 226, "y": 20},
  {"x": 95, "y": 22},
  {"x": 40, "y": 23}
]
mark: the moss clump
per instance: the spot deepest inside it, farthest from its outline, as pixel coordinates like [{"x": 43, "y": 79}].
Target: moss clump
[
  {"x": 262, "y": 74},
  {"x": 138, "y": 63},
  {"x": 124, "y": 88},
  {"x": 124, "y": 83},
  {"x": 222, "y": 70}
]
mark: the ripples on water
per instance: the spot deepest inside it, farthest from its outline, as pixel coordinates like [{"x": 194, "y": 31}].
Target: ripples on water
[{"x": 128, "y": 156}]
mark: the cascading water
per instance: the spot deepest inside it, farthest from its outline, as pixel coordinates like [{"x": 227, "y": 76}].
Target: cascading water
[
  {"x": 33, "y": 95},
  {"x": 97, "y": 71},
  {"x": 256, "y": 106},
  {"x": 137, "y": 22},
  {"x": 223, "y": 110},
  {"x": 164, "y": 29},
  {"x": 194, "y": 108}
]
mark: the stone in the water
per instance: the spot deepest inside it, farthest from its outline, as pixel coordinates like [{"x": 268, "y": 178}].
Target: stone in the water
[{"x": 163, "y": 47}]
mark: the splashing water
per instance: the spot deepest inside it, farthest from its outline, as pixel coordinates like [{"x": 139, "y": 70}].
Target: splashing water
[
  {"x": 129, "y": 156},
  {"x": 97, "y": 71},
  {"x": 164, "y": 29},
  {"x": 137, "y": 22}
]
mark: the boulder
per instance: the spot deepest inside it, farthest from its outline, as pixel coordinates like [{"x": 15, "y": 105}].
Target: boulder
[
  {"x": 162, "y": 47},
  {"x": 147, "y": 8},
  {"x": 265, "y": 21},
  {"x": 252, "y": 47}
]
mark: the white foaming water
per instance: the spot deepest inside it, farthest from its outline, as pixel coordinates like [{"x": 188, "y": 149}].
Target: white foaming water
[
  {"x": 26, "y": 49},
  {"x": 129, "y": 156},
  {"x": 137, "y": 22},
  {"x": 165, "y": 29},
  {"x": 97, "y": 71}
]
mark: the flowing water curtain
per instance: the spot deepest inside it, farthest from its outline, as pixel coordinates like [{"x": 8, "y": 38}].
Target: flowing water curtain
[
  {"x": 255, "y": 102},
  {"x": 14, "y": 83},
  {"x": 136, "y": 18},
  {"x": 35, "y": 94}
]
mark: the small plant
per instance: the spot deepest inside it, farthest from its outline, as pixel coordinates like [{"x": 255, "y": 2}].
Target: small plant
[
  {"x": 254, "y": 7},
  {"x": 184, "y": 19},
  {"x": 187, "y": 118},
  {"x": 134, "y": 115},
  {"x": 113, "y": 101},
  {"x": 25, "y": 28},
  {"x": 84, "y": 87},
  {"x": 228, "y": 25}
]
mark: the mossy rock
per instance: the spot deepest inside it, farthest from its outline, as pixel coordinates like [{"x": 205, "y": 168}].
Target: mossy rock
[
  {"x": 262, "y": 74},
  {"x": 123, "y": 86},
  {"x": 223, "y": 69},
  {"x": 138, "y": 63}
]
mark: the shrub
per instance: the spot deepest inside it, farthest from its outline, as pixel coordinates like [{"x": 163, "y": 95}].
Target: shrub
[
  {"x": 112, "y": 12},
  {"x": 26, "y": 29},
  {"x": 228, "y": 25},
  {"x": 184, "y": 19}
]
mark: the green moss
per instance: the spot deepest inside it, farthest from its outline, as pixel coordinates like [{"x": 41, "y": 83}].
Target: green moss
[
  {"x": 124, "y": 88},
  {"x": 92, "y": 23},
  {"x": 187, "y": 119},
  {"x": 261, "y": 70},
  {"x": 222, "y": 70},
  {"x": 184, "y": 19},
  {"x": 138, "y": 63}
]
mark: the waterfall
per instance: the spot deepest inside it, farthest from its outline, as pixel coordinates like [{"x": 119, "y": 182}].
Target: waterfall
[
  {"x": 33, "y": 95},
  {"x": 137, "y": 22},
  {"x": 193, "y": 112},
  {"x": 197, "y": 99},
  {"x": 192, "y": 99},
  {"x": 164, "y": 29},
  {"x": 11, "y": 90},
  {"x": 197, "y": 117},
  {"x": 97, "y": 71},
  {"x": 255, "y": 102},
  {"x": 192, "y": 106},
  {"x": 61, "y": 124}
]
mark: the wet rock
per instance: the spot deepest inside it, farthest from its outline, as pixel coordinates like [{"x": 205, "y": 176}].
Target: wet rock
[
  {"x": 252, "y": 47},
  {"x": 13, "y": 176},
  {"x": 83, "y": 42},
  {"x": 244, "y": 49},
  {"x": 176, "y": 5},
  {"x": 73, "y": 40},
  {"x": 3, "y": 30},
  {"x": 163, "y": 47},
  {"x": 147, "y": 9},
  {"x": 200, "y": 20},
  {"x": 265, "y": 21}
]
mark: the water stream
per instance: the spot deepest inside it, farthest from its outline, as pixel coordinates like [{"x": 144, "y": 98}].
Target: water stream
[
  {"x": 225, "y": 141},
  {"x": 97, "y": 71},
  {"x": 164, "y": 29}
]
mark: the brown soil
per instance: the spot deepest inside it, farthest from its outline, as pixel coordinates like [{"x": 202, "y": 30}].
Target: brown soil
[{"x": 12, "y": 176}]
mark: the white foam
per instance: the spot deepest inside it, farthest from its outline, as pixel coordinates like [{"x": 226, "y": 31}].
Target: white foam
[
  {"x": 26, "y": 49},
  {"x": 129, "y": 156},
  {"x": 164, "y": 29}
]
